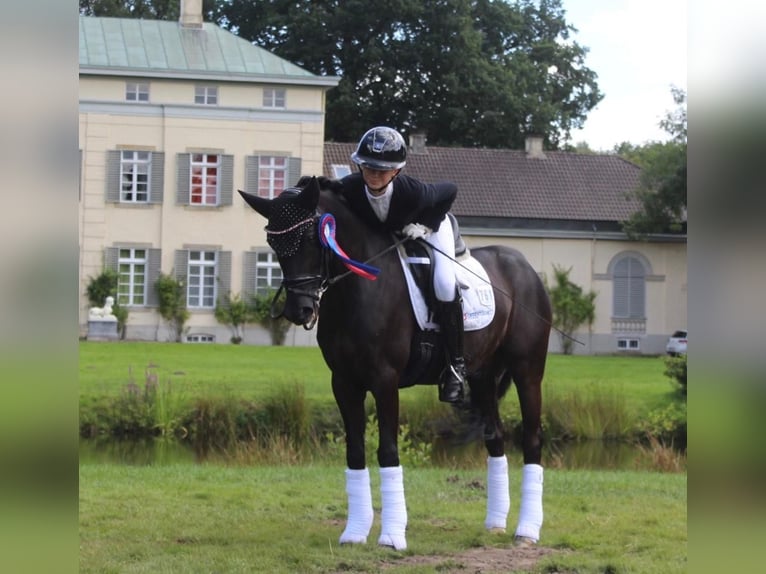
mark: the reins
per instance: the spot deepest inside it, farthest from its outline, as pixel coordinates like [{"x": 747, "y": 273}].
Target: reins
[{"x": 396, "y": 244}]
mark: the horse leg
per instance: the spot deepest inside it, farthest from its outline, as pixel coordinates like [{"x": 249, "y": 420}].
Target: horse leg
[
  {"x": 393, "y": 514},
  {"x": 528, "y": 378},
  {"x": 498, "y": 497},
  {"x": 350, "y": 402}
]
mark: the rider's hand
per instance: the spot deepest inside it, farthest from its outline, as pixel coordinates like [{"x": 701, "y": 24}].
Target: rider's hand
[
  {"x": 333, "y": 185},
  {"x": 416, "y": 231}
]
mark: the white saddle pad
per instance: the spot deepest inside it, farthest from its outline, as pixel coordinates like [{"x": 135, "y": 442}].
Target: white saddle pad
[{"x": 477, "y": 293}]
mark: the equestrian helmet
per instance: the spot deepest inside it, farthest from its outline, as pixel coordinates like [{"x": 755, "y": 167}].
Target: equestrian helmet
[{"x": 381, "y": 148}]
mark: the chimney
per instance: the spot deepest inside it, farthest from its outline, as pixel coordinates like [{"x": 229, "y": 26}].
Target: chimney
[
  {"x": 418, "y": 143},
  {"x": 191, "y": 14},
  {"x": 533, "y": 145}
]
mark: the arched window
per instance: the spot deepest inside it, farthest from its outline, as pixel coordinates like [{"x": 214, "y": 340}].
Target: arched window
[{"x": 629, "y": 283}]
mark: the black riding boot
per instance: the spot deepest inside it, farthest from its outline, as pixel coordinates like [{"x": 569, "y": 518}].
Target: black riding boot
[{"x": 452, "y": 384}]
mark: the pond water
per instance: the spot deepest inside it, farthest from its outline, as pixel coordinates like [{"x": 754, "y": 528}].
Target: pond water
[{"x": 595, "y": 454}]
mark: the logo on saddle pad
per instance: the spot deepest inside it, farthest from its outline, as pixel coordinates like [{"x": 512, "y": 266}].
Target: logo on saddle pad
[{"x": 475, "y": 289}]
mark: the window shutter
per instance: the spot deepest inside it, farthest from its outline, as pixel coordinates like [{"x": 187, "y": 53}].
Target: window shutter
[
  {"x": 248, "y": 276},
  {"x": 157, "y": 181},
  {"x": 113, "y": 158},
  {"x": 293, "y": 170},
  {"x": 183, "y": 176},
  {"x": 629, "y": 284},
  {"x": 251, "y": 174},
  {"x": 154, "y": 261},
  {"x": 111, "y": 258},
  {"x": 620, "y": 296},
  {"x": 224, "y": 274},
  {"x": 226, "y": 184},
  {"x": 181, "y": 265},
  {"x": 637, "y": 293}
]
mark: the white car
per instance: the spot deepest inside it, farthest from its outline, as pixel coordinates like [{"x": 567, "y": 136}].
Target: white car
[{"x": 676, "y": 343}]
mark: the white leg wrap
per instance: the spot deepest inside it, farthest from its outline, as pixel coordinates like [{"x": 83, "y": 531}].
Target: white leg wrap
[
  {"x": 531, "y": 509},
  {"x": 498, "y": 499},
  {"x": 360, "y": 513},
  {"x": 393, "y": 514}
]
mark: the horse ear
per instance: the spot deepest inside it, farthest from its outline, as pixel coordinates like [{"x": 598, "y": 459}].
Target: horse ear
[
  {"x": 309, "y": 197},
  {"x": 260, "y": 204}
]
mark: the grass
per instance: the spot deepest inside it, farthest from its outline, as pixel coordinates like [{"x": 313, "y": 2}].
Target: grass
[
  {"x": 207, "y": 518},
  {"x": 277, "y": 509},
  {"x": 253, "y": 373}
]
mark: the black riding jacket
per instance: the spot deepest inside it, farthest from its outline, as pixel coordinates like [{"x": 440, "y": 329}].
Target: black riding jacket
[{"x": 412, "y": 201}]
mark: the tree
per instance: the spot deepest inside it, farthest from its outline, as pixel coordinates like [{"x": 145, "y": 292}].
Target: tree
[
  {"x": 261, "y": 308},
  {"x": 234, "y": 312},
  {"x": 106, "y": 285},
  {"x": 172, "y": 297},
  {"x": 467, "y": 72},
  {"x": 571, "y": 307},
  {"x": 662, "y": 190}
]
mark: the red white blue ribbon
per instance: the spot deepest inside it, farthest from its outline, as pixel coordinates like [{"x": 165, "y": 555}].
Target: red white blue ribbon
[{"x": 327, "y": 239}]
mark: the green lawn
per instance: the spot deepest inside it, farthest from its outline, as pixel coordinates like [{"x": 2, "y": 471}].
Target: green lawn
[
  {"x": 206, "y": 518},
  {"x": 252, "y": 372}
]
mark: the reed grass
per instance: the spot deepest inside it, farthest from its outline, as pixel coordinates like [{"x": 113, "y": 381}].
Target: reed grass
[{"x": 599, "y": 399}]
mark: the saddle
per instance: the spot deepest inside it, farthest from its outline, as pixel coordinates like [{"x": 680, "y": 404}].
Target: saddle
[{"x": 427, "y": 357}]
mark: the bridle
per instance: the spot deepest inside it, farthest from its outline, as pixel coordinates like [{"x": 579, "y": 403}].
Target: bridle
[{"x": 311, "y": 285}]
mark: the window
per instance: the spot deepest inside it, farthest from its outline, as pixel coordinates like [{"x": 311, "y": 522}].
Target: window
[
  {"x": 340, "y": 171},
  {"x": 200, "y": 338},
  {"x": 136, "y": 92},
  {"x": 267, "y": 175},
  {"x": 201, "y": 287},
  {"x": 204, "y": 179},
  {"x": 135, "y": 167},
  {"x": 206, "y": 95},
  {"x": 268, "y": 273},
  {"x": 272, "y": 175},
  {"x": 131, "y": 282},
  {"x": 273, "y": 98},
  {"x": 134, "y": 176},
  {"x": 629, "y": 282},
  {"x": 138, "y": 269},
  {"x": 262, "y": 273},
  {"x": 628, "y": 344}
]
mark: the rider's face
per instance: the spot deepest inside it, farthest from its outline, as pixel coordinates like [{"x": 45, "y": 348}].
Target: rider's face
[{"x": 378, "y": 178}]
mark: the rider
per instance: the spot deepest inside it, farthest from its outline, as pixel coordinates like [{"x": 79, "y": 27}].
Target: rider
[{"x": 384, "y": 197}]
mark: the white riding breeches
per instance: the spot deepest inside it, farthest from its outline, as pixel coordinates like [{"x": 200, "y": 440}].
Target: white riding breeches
[{"x": 444, "y": 267}]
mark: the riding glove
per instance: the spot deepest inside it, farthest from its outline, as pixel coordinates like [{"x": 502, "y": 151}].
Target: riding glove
[{"x": 416, "y": 231}]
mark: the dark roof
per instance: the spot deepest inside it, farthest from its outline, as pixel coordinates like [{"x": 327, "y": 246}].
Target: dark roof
[{"x": 500, "y": 183}]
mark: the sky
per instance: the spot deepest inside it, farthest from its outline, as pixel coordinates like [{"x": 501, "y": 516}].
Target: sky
[{"x": 638, "y": 49}]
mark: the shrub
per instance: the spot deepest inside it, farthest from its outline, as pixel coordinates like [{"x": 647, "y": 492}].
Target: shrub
[
  {"x": 172, "y": 297},
  {"x": 675, "y": 369}
]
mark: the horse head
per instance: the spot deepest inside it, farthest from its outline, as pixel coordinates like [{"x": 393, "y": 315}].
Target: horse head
[{"x": 291, "y": 233}]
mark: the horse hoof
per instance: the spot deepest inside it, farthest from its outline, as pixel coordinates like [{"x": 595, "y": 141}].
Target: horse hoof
[
  {"x": 496, "y": 530},
  {"x": 392, "y": 541},
  {"x": 349, "y": 539},
  {"x": 524, "y": 541}
]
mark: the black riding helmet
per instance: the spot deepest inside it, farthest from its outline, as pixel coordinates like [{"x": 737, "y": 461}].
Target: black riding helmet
[{"x": 381, "y": 148}]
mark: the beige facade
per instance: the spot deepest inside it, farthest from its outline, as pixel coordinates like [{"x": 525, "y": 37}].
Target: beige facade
[
  {"x": 592, "y": 260},
  {"x": 240, "y": 127}
]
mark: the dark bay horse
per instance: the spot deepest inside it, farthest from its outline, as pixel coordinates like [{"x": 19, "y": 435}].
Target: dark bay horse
[{"x": 365, "y": 328}]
